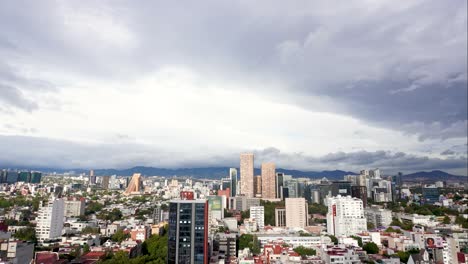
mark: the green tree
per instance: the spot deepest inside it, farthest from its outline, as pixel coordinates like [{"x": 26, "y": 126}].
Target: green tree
[
  {"x": 26, "y": 234},
  {"x": 85, "y": 248},
  {"x": 370, "y": 225},
  {"x": 392, "y": 230},
  {"x": 249, "y": 241},
  {"x": 334, "y": 239},
  {"x": 371, "y": 248},
  {"x": 119, "y": 236},
  {"x": 460, "y": 220},
  {"x": 90, "y": 230},
  {"x": 315, "y": 208},
  {"x": 446, "y": 220},
  {"x": 359, "y": 240},
  {"x": 303, "y": 251}
]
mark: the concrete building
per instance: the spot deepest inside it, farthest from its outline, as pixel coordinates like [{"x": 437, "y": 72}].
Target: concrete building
[
  {"x": 280, "y": 217},
  {"x": 140, "y": 233},
  {"x": 247, "y": 174},
  {"x": 378, "y": 217},
  {"x": 233, "y": 176},
  {"x": 268, "y": 180},
  {"x": 227, "y": 244},
  {"x": 345, "y": 216},
  {"x": 296, "y": 212},
  {"x": 258, "y": 186},
  {"x": 135, "y": 185},
  {"x": 243, "y": 203},
  {"x": 258, "y": 213},
  {"x": 16, "y": 252},
  {"x": 279, "y": 185},
  {"x": 50, "y": 219},
  {"x": 74, "y": 207},
  {"x": 188, "y": 232}
]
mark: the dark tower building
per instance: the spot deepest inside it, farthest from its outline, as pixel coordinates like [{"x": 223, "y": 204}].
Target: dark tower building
[
  {"x": 188, "y": 232},
  {"x": 279, "y": 185},
  {"x": 36, "y": 177},
  {"x": 342, "y": 188},
  {"x": 24, "y": 176},
  {"x": 361, "y": 193}
]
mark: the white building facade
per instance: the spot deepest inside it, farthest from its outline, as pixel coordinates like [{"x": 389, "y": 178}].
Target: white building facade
[
  {"x": 345, "y": 216},
  {"x": 258, "y": 213},
  {"x": 50, "y": 219}
]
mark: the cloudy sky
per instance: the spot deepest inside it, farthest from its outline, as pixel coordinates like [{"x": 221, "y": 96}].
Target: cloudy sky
[{"x": 310, "y": 85}]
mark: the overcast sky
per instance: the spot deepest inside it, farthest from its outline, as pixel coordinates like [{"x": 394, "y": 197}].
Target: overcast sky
[{"x": 310, "y": 85}]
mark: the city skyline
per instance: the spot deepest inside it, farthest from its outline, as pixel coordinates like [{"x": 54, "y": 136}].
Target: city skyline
[{"x": 305, "y": 86}]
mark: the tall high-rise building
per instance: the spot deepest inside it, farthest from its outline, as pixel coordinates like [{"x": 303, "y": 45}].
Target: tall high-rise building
[
  {"x": 11, "y": 176},
  {"x": 268, "y": 180},
  {"x": 92, "y": 177},
  {"x": 135, "y": 185},
  {"x": 296, "y": 212},
  {"x": 280, "y": 217},
  {"x": 24, "y": 176},
  {"x": 430, "y": 194},
  {"x": 105, "y": 182},
  {"x": 258, "y": 213},
  {"x": 36, "y": 177},
  {"x": 188, "y": 232},
  {"x": 345, "y": 216},
  {"x": 279, "y": 185},
  {"x": 50, "y": 219},
  {"x": 233, "y": 176},
  {"x": 360, "y": 192},
  {"x": 247, "y": 174},
  {"x": 258, "y": 186}
]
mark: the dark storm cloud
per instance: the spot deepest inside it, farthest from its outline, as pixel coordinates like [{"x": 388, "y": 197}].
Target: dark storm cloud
[{"x": 398, "y": 66}]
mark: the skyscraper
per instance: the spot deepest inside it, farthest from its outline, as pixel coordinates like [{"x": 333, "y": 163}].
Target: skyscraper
[
  {"x": 279, "y": 185},
  {"x": 188, "y": 232},
  {"x": 258, "y": 186},
  {"x": 268, "y": 180},
  {"x": 50, "y": 219},
  {"x": 134, "y": 187},
  {"x": 233, "y": 176},
  {"x": 92, "y": 177},
  {"x": 345, "y": 216},
  {"x": 247, "y": 174},
  {"x": 296, "y": 212}
]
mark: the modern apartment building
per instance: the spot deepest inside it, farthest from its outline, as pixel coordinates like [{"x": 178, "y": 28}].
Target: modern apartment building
[
  {"x": 268, "y": 180},
  {"x": 345, "y": 216},
  {"x": 296, "y": 212},
  {"x": 258, "y": 213},
  {"x": 247, "y": 174},
  {"x": 50, "y": 219},
  {"x": 188, "y": 232}
]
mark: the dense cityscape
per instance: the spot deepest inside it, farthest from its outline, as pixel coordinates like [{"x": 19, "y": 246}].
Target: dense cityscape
[
  {"x": 368, "y": 217},
  {"x": 234, "y": 132}
]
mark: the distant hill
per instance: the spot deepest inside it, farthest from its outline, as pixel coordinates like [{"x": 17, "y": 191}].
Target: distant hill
[
  {"x": 217, "y": 172},
  {"x": 221, "y": 172},
  {"x": 433, "y": 176},
  {"x": 199, "y": 173}
]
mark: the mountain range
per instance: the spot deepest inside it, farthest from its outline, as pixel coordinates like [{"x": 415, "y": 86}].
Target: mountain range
[{"x": 221, "y": 172}]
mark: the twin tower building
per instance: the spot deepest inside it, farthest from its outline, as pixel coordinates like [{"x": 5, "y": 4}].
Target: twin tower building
[{"x": 257, "y": 186}]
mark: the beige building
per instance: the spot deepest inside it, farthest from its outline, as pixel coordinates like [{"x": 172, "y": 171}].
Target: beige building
[
  {"x": 247, "y": 174},
  {"x": 280, "y": 217},
  {"x": 268, "y": 180},
  {"x": 296, "y": 212},
  {"x": 135, "y": 185},
  {"x": 258, "y": 186},
  {"x": 74, "y": 207}
]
